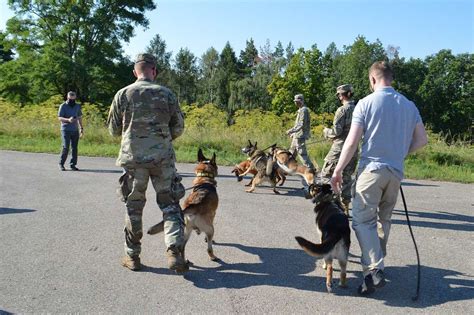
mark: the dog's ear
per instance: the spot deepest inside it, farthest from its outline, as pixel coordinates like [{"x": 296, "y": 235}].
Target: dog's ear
[
  {"x": 213, "y": 160},
  {"x": 250, "y": 143},
  {"x": 255, "y": 145},
  {"x": 201, "y": 156}
]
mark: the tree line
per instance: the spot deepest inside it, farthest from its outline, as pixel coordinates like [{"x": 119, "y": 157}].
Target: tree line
[{"x": 77, "y": 45}]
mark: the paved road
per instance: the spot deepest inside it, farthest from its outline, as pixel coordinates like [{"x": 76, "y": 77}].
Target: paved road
[{"x": 62, "y": 240}]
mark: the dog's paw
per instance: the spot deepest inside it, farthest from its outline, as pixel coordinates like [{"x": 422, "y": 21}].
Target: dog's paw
[
  {"x": 329, "y": 287},
  {"x": 249, "y": 190}
]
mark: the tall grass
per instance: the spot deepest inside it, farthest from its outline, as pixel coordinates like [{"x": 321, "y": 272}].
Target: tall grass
[{"x": 37, "y": 130}]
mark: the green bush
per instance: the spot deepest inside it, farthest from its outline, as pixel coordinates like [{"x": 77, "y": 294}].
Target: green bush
[{"x": 35, "y": 128}]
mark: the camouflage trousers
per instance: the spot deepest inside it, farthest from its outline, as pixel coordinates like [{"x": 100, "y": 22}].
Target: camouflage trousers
[
  {"x": 347, "y": 180},
  {"x": 168, "y": 187},
  {"x": 300, "y": 146}
]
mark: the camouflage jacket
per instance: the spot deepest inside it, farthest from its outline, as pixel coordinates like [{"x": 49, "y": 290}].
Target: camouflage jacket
[
  {"x": 302, "y": 128},
  {"x": 341, "y": 124},
  {"x": 148, "y": 118}
]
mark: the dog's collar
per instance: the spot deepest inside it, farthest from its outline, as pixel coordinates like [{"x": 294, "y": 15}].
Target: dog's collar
[
  {"x": 205, "y": 174},
  {"x": 208, "y": 186}
]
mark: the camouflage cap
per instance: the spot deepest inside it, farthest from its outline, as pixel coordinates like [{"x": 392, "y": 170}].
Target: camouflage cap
[
  {"x": 299, "y": 97},
  {"x": 145, "y": 58},
  {"x": 344, "y": 89}
]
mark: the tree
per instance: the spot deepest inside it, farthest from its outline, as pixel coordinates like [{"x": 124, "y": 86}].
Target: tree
[
  {"x": 248, "y": 58},
  {"x": 208, "y": 84},
  {"x": 447, "y": 93},
  {"x": 304, "y": 74},
  {"x": 6, "y": 54},
  {"x": 186, "y": 75},
  {"x": 332, "y": 77},
  {"x": 355, "y": 64},
  {"x": 227, "y": 73},
  {"x": 74, "y": 42},
  {"x": 157, "y": 48}
]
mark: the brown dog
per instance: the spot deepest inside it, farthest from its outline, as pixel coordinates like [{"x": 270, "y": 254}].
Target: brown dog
[
  {"x": 286, "y": 160},
  {"x": 243, "y": 166},
  {"x": 240, "y": 168},
  {"x": 333, "y": 226},
  {"x": 199, "y": 208},
  {"x": 263, "y": 164}
]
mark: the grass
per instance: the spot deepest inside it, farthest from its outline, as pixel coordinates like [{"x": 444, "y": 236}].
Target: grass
[{"x": 438, "y": 161}]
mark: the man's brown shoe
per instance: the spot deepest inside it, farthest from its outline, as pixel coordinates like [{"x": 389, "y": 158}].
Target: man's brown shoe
[
  {"x": 132, "y": 263},
  {"x": 175, "y": 260}
]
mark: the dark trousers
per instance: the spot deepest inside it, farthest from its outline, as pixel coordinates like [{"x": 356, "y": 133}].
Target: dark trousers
[{"x": 69, "y": 138}]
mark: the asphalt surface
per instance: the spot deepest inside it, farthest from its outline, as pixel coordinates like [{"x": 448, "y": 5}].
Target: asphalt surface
[{"x": 62, "y": 240}]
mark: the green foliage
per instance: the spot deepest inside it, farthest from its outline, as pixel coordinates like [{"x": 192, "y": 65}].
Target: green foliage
[
  {"x": 304, "y": 75},
  {"x": 208, "y": 116},
  {"x": 69, "y": 45},
  {"x": 208, "y": 84},
  {"x": 35, "y": 128},
  {"x": 186, "y": 76},
  {"x": 448, "y": 93}
]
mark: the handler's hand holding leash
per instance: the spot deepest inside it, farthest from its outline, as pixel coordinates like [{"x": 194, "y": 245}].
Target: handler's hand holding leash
[{"x": 336, "y": 182}]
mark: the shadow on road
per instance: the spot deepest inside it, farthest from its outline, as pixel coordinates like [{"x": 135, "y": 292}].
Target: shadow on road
[
  {"x": 438, "y": 286},
  {"x": 279, "y": 267},
  {"x": 463, "y": 222},
  {"x": 418, "y": 185},
  {"x": 14, "y": 211}
]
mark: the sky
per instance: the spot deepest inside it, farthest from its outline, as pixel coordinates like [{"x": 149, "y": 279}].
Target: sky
[{"x": 418, "y": 27}]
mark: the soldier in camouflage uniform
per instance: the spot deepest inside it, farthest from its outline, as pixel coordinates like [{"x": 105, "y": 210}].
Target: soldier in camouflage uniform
[
  {"x": 148, "y": 118},
  {"x": 338, "y": 134},
  {"x": 301, "y": 132}
]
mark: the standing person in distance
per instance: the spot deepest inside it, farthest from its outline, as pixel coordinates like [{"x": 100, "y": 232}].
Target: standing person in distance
[
  {"x": 70, "y": 116},
  {"x": 338, "y": 134},
  {"x": 301, "y": 132},
  {"x": 390, "y": 127},
  {"x": 148, "y": 118}
]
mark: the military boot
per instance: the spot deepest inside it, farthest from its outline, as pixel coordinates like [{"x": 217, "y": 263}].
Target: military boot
[
  {"x": 345, "y": 204},
  {"x": 175, "y": 260},
  {"x": 132, "y": 263}
]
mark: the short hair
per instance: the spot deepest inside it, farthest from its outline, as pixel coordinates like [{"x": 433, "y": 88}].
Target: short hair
[
  {"x": 381, "y": 69},
  {"x": 71, "y": 94},
  {"x": 144, "y": 66}
]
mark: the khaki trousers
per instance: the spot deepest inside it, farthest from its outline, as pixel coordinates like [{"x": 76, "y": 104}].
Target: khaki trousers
[{"x": 375, "y": 197}]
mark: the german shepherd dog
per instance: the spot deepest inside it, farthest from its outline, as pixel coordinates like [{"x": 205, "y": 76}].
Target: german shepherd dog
[
  {"x": 199, "y": 208},
  {"x": 263, "y": 164},
  {"x": 240, "y": 168},
  {"x": 286, "y": 161},
  {"x": 333, "y": 226}
]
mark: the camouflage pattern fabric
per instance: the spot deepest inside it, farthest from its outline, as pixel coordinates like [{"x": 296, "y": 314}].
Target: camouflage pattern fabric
[
  {"x": 302, "y": 128},
  {"x": 299, "y": 146},
  {"x": 301, "y": 132},
  {"x": 338, "y": 134},
  {"x": 148, "y": 118}
]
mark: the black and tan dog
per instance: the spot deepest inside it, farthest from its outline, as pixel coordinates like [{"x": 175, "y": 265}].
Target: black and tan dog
[
  {"x": 334, "y": 229},
  {"x": 263, "y": 164},
  {"x": 243, "y": 166},
  {"x": 286, "y": 161},
  {"x": 199, "y": 208}
]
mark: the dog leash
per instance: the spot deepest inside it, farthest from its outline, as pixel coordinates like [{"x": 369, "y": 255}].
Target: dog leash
[{"x": 414, "y": 298}]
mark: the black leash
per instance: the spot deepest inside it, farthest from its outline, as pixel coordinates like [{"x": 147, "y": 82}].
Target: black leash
[{"x": 414, "y": 298}]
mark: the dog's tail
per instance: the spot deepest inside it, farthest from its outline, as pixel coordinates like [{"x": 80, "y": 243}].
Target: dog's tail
[
  {"x": 157, "y": 228},
  {"x": 319, "y": 250}
]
